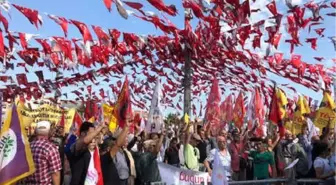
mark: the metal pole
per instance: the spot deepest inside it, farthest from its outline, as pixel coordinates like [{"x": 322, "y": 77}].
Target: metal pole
[
  {"x": 187, "y": 82},
  {"x": 187, "y": 74}
]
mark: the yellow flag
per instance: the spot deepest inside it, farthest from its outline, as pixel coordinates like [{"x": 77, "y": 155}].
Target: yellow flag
[
  {"x": 186, "y": 118},
  {"x": 323, "y": 115},
  {"x": 300, "y": 104},
  {"x": 282, "y": 101},
  {"x": 328, "y": 101},
  {"x": 306, "y": 105},
  {"x": 298, "y": 122}
]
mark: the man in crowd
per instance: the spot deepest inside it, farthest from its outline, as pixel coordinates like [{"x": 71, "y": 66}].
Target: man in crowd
[
  {"x": 115, "y": 163},
  {"x": 146, "y": 162},
  {"x": 81, "y": 152},
  {"x": 46, "y": 158},
  {"x": 191, "y": 152},
  {"x": 203, "y": 147},
  {"x": 172, "y": 153},
  {"x": 238, "y": 162}
]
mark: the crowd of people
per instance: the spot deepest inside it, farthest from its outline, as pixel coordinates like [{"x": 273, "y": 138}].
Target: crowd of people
[{"x": 132, "y": 159}]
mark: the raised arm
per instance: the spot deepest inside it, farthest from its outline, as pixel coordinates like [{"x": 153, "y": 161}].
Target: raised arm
[
  {"x": 187, "y": 135},
  {"x": 84, "y": 141},
  {"x": 121, "y": 139}
]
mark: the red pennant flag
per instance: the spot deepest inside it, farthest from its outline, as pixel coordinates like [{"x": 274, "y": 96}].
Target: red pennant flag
[
  {"x": 62, "y": 22},
  {"x": 31, "y": 15},
  {"x": 272, "y": 8},
  {"x": 108, "y": 4},
  {"x": 102, "y": 36},
  {"x": 89, "y": 89},
  {"x": 39, "y": 74},
  {"x": 83, "y": 29},
  {"x": 22, "y": 79},
  {"x": 2, "y": 45},
  {"x": 123, "y": 107},
  {"x": 296, "y": 60},
  {"x": 46, "y": 47},
  {"x": 4, "y": 22},
  {"x": 23, "y": 40}
]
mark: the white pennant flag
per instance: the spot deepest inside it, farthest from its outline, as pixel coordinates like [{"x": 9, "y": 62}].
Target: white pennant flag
[{"x": 155, "y": 117}]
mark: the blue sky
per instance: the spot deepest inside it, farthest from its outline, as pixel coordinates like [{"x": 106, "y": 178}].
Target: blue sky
[{"x": 94, "y": 13}]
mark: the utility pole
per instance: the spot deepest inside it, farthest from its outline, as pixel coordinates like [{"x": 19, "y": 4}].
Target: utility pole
[{"x": 187, "y": 80}]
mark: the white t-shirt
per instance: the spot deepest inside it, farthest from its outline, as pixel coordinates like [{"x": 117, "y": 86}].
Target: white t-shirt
[
  {"x": 324, "y": 164},
  {"x": 92, "y": 174}
]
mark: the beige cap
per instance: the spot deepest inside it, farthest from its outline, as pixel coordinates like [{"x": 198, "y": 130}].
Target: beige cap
[{"x": 42, "y": 127}]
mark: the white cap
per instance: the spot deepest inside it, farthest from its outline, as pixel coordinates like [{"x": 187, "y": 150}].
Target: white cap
[{"x": 42, "y": 127}]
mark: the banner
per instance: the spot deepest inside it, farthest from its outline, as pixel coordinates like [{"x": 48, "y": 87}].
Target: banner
[
  {"x": 155, "y": 117},
  {"x": 45, "y": 113},
  {"x": 172, "y": 176},
  {"x": 322, "y": 117}
]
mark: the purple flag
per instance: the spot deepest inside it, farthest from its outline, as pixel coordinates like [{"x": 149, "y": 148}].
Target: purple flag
[{"x": 16, "y": 161}]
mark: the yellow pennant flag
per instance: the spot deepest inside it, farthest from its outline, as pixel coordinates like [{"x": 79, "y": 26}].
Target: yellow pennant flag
[
  {"x": 186, "y": 118},
  {"x": 328, "y": 101}
]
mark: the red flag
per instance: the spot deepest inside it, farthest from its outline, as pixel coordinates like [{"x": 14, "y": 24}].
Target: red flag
[
  {"x": 76, "y": 124},
  {"x": 226, "y": 110},
  {"x": 212, "y": 108},
  {"x": 276, "y": 112},
  {"x": 91, "y": 108},
  {"x": 239, "y": 111},
  {"x": 123, "y": 107},
  {"x": 97, "y": 166}
]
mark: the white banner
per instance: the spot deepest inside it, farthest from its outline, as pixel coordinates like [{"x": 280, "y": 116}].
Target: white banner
[
  {"x": 155, "y": 117},
  {"x": 177, "y": 176}
]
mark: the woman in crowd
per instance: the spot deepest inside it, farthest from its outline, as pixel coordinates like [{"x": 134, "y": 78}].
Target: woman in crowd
[{"x": 224, "y": 157}]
